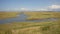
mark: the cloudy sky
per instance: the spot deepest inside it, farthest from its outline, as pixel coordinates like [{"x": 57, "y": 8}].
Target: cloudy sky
[{"x": 29, "y": 5}]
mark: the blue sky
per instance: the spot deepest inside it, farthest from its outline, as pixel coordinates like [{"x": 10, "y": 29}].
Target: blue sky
[{"x": 18, "y": 5}]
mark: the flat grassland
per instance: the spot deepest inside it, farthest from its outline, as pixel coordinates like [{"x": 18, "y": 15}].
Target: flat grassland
[
  {"x": 31, "y": 15},
  {"x": 37, "y": 15},
  {"x": 48, "y": 27},
  {"x": 4, "y": 15}
]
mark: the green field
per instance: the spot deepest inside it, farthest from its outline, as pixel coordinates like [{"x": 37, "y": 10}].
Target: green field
[
  {"x": 52, "y": 27},
  {"x": 4, "y": 15},
  {"x": 48, "y": 27},
  {"x": 32, "y": 15},
  {"x": 41, "y": 15}
]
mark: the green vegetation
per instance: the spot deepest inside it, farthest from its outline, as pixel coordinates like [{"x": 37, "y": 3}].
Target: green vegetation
[
  {"x": 32, "y": 15},
  {"x": 4, "y": 15},
  {"x": 42, "y": 15},
  {"x": 49, "y": 27}
]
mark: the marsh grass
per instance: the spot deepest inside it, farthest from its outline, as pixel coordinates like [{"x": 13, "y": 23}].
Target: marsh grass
[
  {"x": 48, "y": 27},
  {"x": 5, "y": 15},
  {"x": 41, "y": 15},
  {"x": 33, "y": 28}
]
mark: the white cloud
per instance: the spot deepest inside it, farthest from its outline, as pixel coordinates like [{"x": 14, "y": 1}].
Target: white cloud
[
  {"x": 43, "y": 9},
  {"x": 12, "y": 9},
  {"x": 48, "y": 8},
  {"x": 24, "y": 9},
  {"x": 54, "y": 6}
]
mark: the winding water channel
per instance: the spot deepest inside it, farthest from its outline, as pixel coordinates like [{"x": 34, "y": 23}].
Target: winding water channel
[{"x": 22, "y": 18}]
